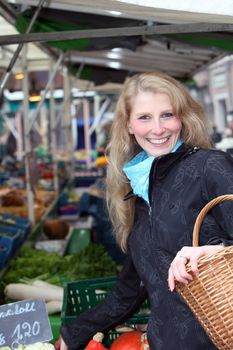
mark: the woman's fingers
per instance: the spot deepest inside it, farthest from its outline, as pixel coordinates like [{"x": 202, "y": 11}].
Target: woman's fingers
[
  {"x": 171, "y": 280},
  {"x": 191, "y": 255},
  {"x": 63, "y": 345},
  {"x": 178, "y": 272},
  {"x": 60, "y": 344},
  {"x": 194, "y": 264}
]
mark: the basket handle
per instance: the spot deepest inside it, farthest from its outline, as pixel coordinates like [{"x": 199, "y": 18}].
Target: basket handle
[{"x": 203, "y": 212}]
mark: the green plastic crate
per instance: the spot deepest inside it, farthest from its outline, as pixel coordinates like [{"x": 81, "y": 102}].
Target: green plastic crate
[
  {"x": 80, "y": 296},
  {"x": 55, "y": 322}
]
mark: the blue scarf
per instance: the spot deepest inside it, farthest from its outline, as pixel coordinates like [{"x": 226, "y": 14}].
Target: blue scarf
[{"x": 137, "y": 171}]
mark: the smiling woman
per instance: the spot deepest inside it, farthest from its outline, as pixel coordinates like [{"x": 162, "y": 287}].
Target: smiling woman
[{"x": 161, "y": 172}]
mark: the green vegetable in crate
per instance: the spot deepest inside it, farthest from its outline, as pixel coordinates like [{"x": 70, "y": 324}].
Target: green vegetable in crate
[
  {"x": 22, "y": 267},
  {"x": 91, "y": 262}
]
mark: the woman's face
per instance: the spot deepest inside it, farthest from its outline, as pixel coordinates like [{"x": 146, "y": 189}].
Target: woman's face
[{"x": 153, "y": 124}]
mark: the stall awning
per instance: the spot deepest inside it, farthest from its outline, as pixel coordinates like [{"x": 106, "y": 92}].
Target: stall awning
[{"x": 196, "y": 37}]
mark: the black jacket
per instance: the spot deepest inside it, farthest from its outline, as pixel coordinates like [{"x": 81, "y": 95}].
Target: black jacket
[{"x": 181, "y": 183}]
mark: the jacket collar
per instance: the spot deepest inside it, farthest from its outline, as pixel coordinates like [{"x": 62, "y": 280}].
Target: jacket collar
[
  {"x": 168, "y": 160},
  {"x": 165, "y": 164}
]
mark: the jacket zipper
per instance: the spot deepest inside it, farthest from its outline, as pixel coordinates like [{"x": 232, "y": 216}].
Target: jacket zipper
[
  {"x": 152, "y": 170},
  {"x": 150, "y": 217},
  {"x": 151, "y": 177}
]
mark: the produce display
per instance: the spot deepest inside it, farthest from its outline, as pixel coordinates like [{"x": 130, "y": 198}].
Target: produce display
[
  {"x": 37, "y": 289},
  {"x": 18, "y": 197},
  {"x": 29, "y": 273},
  {"x": 35, "y": 274},
  {"x": 14, "y": 231},
  {"x": 31, "y": 265},
  {"x": 91, "y": 262},
  {"x": 68, "y": 202},
  {"x": 35, "y": 346},
  {"x": 14, "y": 201},
  {"x": 132, "y": 340}
]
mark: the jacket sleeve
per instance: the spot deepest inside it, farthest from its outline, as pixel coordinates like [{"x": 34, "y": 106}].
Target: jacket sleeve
[
  {"x": 121, "y": 303},
  {"x": 218, "y": 175}
]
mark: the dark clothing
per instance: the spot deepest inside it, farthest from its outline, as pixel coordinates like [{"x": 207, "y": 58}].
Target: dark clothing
[
  {"x": 216, "y": 137},
  {"x": 181, "y": 183}
]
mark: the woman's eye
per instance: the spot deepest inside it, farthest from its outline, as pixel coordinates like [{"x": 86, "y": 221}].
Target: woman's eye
[
  {"x": 167, "y": 115},
  {"x": 144, "y": 117}
]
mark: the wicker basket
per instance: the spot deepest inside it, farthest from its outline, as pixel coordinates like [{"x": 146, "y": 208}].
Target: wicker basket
[{"x": 210, "y": 295}]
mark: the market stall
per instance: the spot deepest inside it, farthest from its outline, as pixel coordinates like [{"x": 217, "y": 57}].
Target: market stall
[{"x": 68, "y": 268}]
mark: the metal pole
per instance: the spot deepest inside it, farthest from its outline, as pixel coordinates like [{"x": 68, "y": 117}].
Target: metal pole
[
  {"x": 68, "y": 114},
  {"x": 114, "y": 32},
  {"x": 66, "y": 106},
  {"x": 7, "y": 73},
  {"x": 87, "y": 138},
  {"x": 27, "y": 145},
  {"x": 66, "y": 101},
  {"x": 97, "y": 99},
  {"x": 51, "y": 78},
  {"x": 67, "y": 119},
  {"x": 19, "y": 141},
  {"x": 53, "y": 135},
  {"x": 99, "y": 115}
]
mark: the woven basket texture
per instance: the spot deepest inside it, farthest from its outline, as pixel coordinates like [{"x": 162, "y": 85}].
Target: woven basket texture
[{"x": 210, "y": 294}]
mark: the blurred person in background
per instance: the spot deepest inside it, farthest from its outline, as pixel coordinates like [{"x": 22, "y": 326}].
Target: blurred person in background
[
  {"x": 226, "y": 143},
  {"x": 216, "y": 135}
]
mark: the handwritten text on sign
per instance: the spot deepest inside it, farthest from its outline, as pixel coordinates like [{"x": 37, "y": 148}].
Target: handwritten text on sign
[{"x": 25, "y": 322}]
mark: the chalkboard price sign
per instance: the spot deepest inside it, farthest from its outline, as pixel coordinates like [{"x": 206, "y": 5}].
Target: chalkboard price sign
[{"x": 25, "y": 322}]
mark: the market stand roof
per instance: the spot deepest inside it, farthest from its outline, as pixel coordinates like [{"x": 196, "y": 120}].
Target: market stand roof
[
  {"x": 37, "y": 58},
  {"x": 178, "y": 38}
]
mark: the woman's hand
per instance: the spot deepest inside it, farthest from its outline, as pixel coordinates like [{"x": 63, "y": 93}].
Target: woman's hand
[
  {"x": 60, "y": 344},
  {"x": 177, "y": 270}
]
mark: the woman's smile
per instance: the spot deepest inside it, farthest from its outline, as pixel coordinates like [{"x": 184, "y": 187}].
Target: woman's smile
[{"x": 158, "y": 141}]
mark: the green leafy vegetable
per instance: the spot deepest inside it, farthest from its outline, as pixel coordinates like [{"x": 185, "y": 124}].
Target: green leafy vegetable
[{"x": 30, "y": 264}]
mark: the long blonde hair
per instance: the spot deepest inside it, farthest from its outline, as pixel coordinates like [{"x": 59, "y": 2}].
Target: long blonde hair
[{"x": 123, "y": 146}]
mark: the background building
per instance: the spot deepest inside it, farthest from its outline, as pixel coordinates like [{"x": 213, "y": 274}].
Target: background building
[{"x": 215, "y": 90}]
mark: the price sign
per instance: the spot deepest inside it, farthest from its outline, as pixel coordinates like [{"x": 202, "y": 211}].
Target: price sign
[{"x": 25, "y": 322}]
